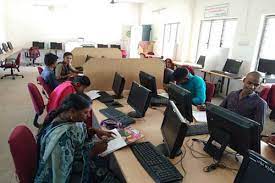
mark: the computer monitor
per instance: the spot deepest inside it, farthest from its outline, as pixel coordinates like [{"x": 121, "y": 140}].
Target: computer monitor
[
  {"x": 1, "y": 52},
  {"x": 229, "y": 128},
  {"x": 173, "y": 130},
  {"x": 139, "y": 99},
  {"x": 10, "y": 45},
  {"x": 118, "y": 85},
  {"x": 115, "y": 46},
  {"x": 266, "y": 66},
  {"x": 56, "y": 46},
  {"x": 102, "y": 45},
  {"x": 37, "y": 44},
  {"x": 201, "y": 60},
  {"x": 149, "y": 82},
  {"x": 255, "y": 169},
  {"x": 232, "y": 66},
  {"x": 5, "y": 47},
  {"x": 182, "y": 99},
  {"x": 167, "y": 75}
]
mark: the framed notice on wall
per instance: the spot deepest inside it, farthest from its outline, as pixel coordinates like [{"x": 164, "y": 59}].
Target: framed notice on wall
[{"x": 219, "y": 10}]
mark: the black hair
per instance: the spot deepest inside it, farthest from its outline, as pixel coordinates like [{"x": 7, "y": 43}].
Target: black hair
[
  {"x": 67, "y": 54},
  {"x": 50, "y": 59},
  {"x": 83, "y": 80},
  {"x": 180, "y": 73},
  {"x": 73, "y": 101}
]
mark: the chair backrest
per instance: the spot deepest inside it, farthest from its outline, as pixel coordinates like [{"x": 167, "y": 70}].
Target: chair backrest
[
  {"x": 210, "y": 90},
  {"x": 264, "y": 93},
  {"x": 45, "y": 86},
  {"x": 18, "y": 59},
  {"x": 37, "y": 99},
  {"x": 23, "y": 149},
  {"x": 40, "y": 70},
  {"x": 34, "y": 52}
]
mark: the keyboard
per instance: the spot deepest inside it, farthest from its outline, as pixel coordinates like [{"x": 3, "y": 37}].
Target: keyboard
[
  {"x": 159, "y": 100},
  {"x": 156, "y": 165},
  {"x": 197, "y": 129},
  {"x": 236, "y": 76},
  {"x": 105, "y": 97},
  {"x": 117, "y": 115}
]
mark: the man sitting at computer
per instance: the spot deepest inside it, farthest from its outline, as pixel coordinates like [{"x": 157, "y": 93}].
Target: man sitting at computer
[
  {"x": 245, "y": 101},
  {"x": 64, "y": 70},
  {"x": 48, "y": 73},
  {"x": 193, "y": 83}
]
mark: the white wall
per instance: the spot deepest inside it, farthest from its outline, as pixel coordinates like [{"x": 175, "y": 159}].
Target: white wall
[
  {"x": 95, "y": 20},
  {"x": 250, "y": 18},
  {"x": 2, "y": 21},
  {"x": 176, "y": 11}
]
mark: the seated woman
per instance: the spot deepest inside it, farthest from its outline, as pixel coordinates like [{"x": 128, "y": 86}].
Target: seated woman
[
  {"x": 66, "y": 151},
  {"x": 169, "y": 64}
]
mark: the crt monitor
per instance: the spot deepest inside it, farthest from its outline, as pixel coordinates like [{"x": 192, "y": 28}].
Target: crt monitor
[
  {"x": 201, "y": 60},
  {"x": 173, "y": 130},
  {"x": 229, "y": 128},
  {"x": 139, "y": 99},
  {"x": 118, "y": 85},
  {"x": 148, "y": 81},
  {"x": 232, "y": 66},
  {"x": 255, "y": 169},
  {"x": 5, "y": 47},
  {"x": 266, "y": 66},
  {"x": 182, "y": 99},
  {"x": 167, "y": 75}
]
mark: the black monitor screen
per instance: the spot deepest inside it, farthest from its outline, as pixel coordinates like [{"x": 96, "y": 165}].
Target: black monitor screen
[
  {"x": 168, "y": 75},
  {"x": 118, "y": 84},
  {"x": 115, "y": 46},
  {"x": 244, "y": 133},
  {"x": 266, "y": 66},
  {"x": 10, "y": 45},
  {"x": 37, "y": 44},
  {"x": 5, "y": 47},
  {"x": 201, "y": 60},
  {"x": 173, "y": 129},
  {"x": 102, "y": 45},
  {"x": 182, "y": 99},
  {"x": 139, "y": 98},
  {"x": 149, "y": 82},
  {"x": 232, "y": 66},
  {"x": 255, "y": 169},
  {"x": 56, "y": 46}
]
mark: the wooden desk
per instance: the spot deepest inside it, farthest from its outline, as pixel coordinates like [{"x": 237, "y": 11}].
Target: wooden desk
[
  {"x": 9, "y": 53},
  {"x": 223, "y": 77},
  {"x": 150, "y": 125},
  {"x": 193, "y": 65}
]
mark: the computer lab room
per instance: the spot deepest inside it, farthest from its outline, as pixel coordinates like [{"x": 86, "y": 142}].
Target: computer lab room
[{"x": 137, "y": 91}]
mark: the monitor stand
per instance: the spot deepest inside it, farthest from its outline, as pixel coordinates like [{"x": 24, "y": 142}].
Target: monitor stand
[
  {"x": 117, "y": 96},
  {"x": 163, "y": 150},
  {"x": 217, "y": 143},
  {"x": 133, "y": 114}
]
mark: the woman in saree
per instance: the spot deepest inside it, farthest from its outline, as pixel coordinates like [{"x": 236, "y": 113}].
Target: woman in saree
[{"x": 67, "y": 150}]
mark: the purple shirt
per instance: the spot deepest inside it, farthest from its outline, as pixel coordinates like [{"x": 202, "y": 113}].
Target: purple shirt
[{"x": 252, "y": 106}]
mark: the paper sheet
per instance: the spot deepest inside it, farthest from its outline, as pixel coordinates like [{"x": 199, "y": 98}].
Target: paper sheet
[
  {"x": 114, "y": 144},
  {"x": 93, "y": 94},
  {"x": 200, "y": 116}
]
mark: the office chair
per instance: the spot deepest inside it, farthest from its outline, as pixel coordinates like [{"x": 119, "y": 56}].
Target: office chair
[
  {"x": 47, "y": 90},
  {"x": 38, "y": 103},
  {"x": 10, "y": 64},
  {"x": 271, "y": 102},
  {"x": 23, "y": 149},
  {"x": 10, "y": 45},
  {"x": 264, "y": 94},
  {"x": 40, "y": 70},
  {"x": 102, "y": 45},
  {"x": 33, "y": 54},
  {"x": 210, "y": 90},
  {"x": 5, "y": 47}
]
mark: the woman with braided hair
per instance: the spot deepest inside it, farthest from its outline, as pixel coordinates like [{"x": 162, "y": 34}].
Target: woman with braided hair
[{"x": 67, "y": 152}]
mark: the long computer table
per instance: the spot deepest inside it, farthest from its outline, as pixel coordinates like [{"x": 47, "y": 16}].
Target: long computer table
[
  {"x": 150, "y": 127},
  {"x": 9, "y": 53}
]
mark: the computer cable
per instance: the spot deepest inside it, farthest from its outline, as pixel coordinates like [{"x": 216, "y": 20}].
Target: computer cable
[
  {"x": 181, "y": 159},
  {"x": 218, "y": 164},
  {"x": 192, "y": 150}
]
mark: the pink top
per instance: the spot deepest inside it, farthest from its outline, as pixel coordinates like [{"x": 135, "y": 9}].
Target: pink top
[{"x": 58, "y": 94}]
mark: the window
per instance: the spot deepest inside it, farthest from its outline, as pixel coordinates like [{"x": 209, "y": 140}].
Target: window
[
  {"x": 267, "y": 44},
  {"x": 216, "y": 33},
  {"x": 170, "y": 40}
]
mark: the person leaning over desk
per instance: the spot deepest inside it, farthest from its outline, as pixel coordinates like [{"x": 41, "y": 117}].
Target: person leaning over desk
[
  {"x": 67, "y": 151},
  {"x": 246, "y": 101},
  {"x": 192, "y": 83},
  {"x": 64, "y": 70}
]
